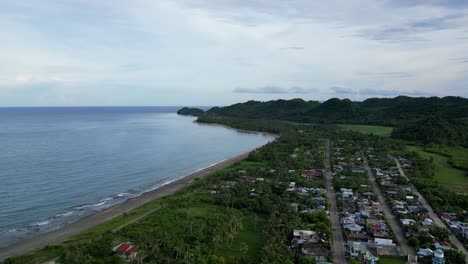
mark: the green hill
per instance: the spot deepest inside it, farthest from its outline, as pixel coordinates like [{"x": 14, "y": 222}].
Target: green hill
[
  {"x": 434, "y": 130},
  {"x": 190, "y": 111},
  {"x": 374, "y": 111}
]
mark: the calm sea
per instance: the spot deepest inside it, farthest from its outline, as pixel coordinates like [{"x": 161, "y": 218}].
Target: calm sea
[{"x": 58, "y": 165}]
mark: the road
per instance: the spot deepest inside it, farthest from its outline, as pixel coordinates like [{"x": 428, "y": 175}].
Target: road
[
  {"x": 434, "y": 216},
  {"x": 391, "y": 219},
  {"x": 338, "y": 247}
]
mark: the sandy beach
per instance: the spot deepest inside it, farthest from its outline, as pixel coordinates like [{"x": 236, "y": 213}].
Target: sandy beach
[{"x": 88, "y": 222}]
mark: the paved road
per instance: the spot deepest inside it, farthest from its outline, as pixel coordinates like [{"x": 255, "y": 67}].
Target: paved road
[
  {"x": 434, "y": 216},
  {"x": 338, "y": 248},
  {"x": 404, "y": 247}
]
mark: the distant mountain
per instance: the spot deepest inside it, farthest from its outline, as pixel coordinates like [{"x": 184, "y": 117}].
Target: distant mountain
[
  {"x": 373, "y": 111},
  {"x": 190, "y": 111},
  {"x": 425, "y": 120}
]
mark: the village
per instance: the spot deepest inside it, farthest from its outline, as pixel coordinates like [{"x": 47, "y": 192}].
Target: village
[
  {"x": 363, "y": 194},
  {"x": 380, "y": 213}
]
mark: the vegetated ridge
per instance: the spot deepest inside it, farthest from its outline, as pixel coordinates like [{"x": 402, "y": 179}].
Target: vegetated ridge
[{"x": 431, "y": 120}]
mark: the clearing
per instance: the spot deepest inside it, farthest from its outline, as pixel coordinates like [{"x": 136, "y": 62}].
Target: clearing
[
  {"x": 452, "y": 178},
  {"x": 365, "y": 129},
  {"x": 249, "y": 240}
]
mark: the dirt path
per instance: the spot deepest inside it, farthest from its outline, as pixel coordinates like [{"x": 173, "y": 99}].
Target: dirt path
[
  {"x": 338, "y": 248},
  {"x": 88, "y": 222}
]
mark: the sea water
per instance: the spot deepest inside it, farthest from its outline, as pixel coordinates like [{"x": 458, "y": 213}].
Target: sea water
[{"x": 60, "y": 164}]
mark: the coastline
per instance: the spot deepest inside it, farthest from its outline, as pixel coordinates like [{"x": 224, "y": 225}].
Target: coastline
[
  {"x": 238, "y": 129},
  {"x": 60, "y": 235}
]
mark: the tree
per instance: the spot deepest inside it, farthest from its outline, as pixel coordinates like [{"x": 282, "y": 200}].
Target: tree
[
  {"x": 414, "y": 242},
  {"x": 454, "y": 256}
]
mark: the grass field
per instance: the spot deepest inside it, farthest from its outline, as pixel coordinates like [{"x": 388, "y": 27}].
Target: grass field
[
  {"x": 458, "y": 156},
  {"x": 390, "y": 260},
  {"x": 376, "y": 130},
  {"x": 251, "y": 235},
  {"x": 453, "y": 178}
]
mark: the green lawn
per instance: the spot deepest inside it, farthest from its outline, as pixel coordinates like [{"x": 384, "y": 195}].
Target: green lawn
[
  {"x": 250, "y": 235},
  {"x": 458, "y": 156},
  {"x": 390, "y": 260},
  {"x": 365, "y": 129},
  {"x": 453, "y": 178}
]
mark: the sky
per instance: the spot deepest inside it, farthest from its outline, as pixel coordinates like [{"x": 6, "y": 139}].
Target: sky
[{"x": 219, "y": 52}]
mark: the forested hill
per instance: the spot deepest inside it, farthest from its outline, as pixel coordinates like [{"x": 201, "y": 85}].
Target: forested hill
[
  {"x": 190, "y": 111},
  {"x": 374, "y": 111}
]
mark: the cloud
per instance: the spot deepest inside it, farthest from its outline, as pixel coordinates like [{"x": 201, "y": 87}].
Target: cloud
[
  {"x": 395, "y": 74},
  {"x": 460, "y": 60},
  {"x": 376, "y": 92},
  {"x": 442, "y": 3},
  {"x": 414, "y": 30},
  {"x": 341, "y": 90},
  {"x": 275, "y": 90},
  {"x": 292, "y": 48}
]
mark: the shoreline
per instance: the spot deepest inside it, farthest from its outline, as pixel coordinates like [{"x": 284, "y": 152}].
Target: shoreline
[
  {"x": 238, "y": 129},
  {"x": 63, "y": 233}
]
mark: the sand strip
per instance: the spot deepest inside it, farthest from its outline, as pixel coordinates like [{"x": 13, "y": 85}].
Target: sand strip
[{"x": 60, "y": 235}]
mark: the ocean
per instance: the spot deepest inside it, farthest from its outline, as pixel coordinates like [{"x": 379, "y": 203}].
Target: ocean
[{"x": 60, "y": 164}]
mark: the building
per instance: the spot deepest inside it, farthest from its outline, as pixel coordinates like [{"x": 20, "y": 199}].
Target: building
[
  {"x": 127, "y": 251},
  {"x": 438, "y": 257}
]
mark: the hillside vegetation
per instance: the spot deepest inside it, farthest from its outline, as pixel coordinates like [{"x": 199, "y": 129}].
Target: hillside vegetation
[
  {"x": 373, "y": 111},
  {"x": 425, "y": 121}
]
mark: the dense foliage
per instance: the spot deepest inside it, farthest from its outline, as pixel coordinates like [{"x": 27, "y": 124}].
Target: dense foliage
[
  {"x": 373, "y": 111},
  {"x": 434, "y": 130},
  {"x": 190, "y": 111},
  {"x": 447, "y": 123}
]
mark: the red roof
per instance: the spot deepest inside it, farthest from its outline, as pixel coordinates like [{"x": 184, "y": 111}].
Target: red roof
[
  {"x": 123, "y": 248},
  {"x": 448, "y": 217},
  {"x": 445, "y": 243},
  {"x": 131, "y": 250},
  {"x": 376, "y": 228}
]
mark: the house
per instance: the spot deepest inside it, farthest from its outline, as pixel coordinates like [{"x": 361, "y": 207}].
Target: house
[
  {"x": 353, "y": 227},
  {"x": 127, "y": 251},
  {"x": 447, "y": 218},
  {"x": 228, "y": 185},
  {"x": 305, "y": 235},
  {"x": 319, "y": 199},
  {"x": 315, "y": 250},
  {"x": 384, "y": 242},
  {"x": 443, "y": 245},
  {"x": 348, "y": 220},
  {"x": 427, "y": 222},
  {"x": 358, "y": 170},
  {"x": 407, "y": 222},
  {"x": 425, "y": 252}
]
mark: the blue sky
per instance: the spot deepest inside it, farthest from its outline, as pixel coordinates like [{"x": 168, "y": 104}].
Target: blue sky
[{"x": 203, "y": 52}]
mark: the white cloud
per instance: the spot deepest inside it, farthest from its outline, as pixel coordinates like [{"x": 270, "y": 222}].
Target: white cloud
[{"x": 150, "y": 51}]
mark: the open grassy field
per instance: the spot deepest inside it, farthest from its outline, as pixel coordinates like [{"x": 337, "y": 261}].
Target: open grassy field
[
  {"x": 453, "y": 178},
  {"x": 376, "y": 130},
  {"x": 458, "y": 156},
  {"x": 250, "y": 238},
  {"x": 390, "y": 260}
]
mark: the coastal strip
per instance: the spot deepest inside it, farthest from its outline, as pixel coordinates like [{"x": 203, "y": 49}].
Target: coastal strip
[{"x": 60, "y": 235}]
